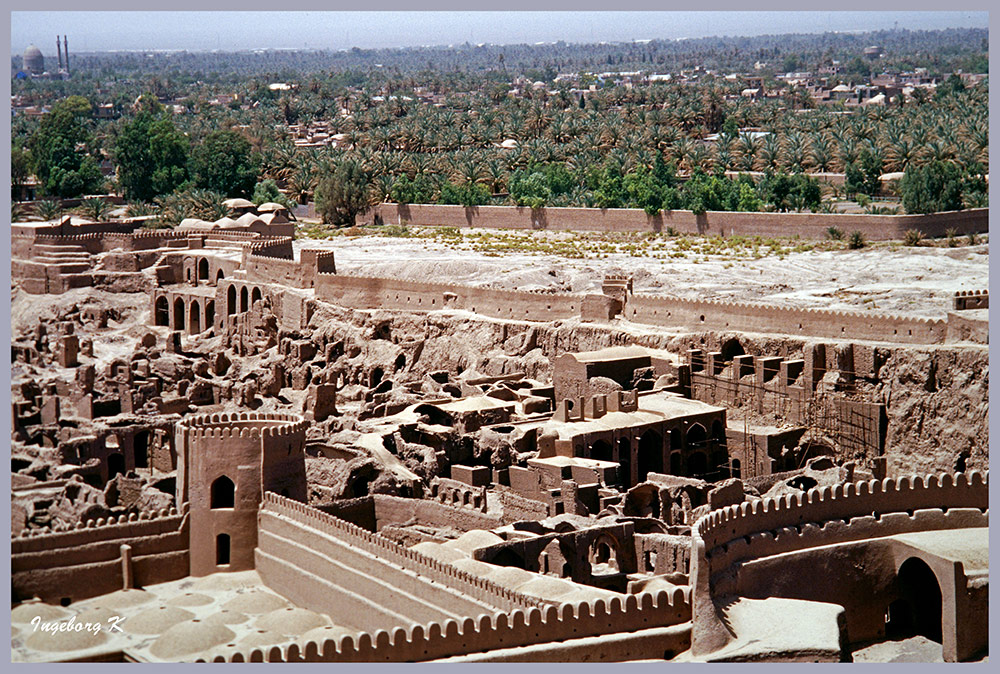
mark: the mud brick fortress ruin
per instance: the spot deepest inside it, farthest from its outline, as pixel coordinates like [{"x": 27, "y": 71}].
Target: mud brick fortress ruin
[{"x": 252, "y": 457}]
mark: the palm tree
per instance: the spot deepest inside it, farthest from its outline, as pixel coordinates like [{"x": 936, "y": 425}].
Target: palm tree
[
  {"x": 749, "y": 146},
  {"x": 95, "y": 209},
  {"x": 49, "y": 209}
]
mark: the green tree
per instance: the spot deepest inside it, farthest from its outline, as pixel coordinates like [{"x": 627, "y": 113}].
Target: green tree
[
  {"x": 467, "y": 194},
  {"x": 343, "y": 194},
  {"x": 863, "y": 175},
  {"x": 20, "y": 169},
  {"x": 59, "y": 148},
  {"x": 419, "y": 190},
  {"x": 224, "y": 162},
  {"x": 266, "y": 191},
  {"x": 934, "y": 187},
  {"x": 530, "y": 188},
  {"x": 152, "y": 157}
]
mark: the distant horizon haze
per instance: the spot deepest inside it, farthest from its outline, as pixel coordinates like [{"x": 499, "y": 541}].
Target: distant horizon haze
[{"x": 97, "y": 31}]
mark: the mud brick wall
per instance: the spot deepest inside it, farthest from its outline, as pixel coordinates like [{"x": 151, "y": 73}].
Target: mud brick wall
[{"x": 714, "y": 223}]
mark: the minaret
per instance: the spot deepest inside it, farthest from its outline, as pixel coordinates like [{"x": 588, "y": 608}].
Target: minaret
[
  {"x": 59, "y": 51},
  {"x": 66, "y": 49}
]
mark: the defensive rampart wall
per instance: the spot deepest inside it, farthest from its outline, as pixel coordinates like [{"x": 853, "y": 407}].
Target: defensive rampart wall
[
  {"x": 303, "y": 552},
  {"x": 440, "y": 639},
  {"x": 88, "y": 561},
  {"x": 713, "y": 223}
]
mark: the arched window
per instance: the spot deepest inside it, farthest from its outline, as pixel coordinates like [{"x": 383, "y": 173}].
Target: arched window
[
  {"x": 736, "y": 468},
  {"x": 255, "y": 296},
  {"x": 223, "y": 493},
  {"x": 696, "y": 435},
  {"x": 231, "y": 300},
  {"x": 209, "y": 314},
  {"x": 244, "y": 300},
  {"x": 219, "y": 276},
  {"x": 162, "y": 316},
  {"x": 203, "y": 269},
  {"x": 222, "y": 549},
  {"x": 178, "y": 314}
]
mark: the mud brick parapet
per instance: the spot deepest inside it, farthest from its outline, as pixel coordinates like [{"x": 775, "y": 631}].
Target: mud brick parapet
[
  {"x": 713, "y": 223},
  {"x": 972, "y": 299},
  {"x": 728, "y": 539},
  {"x": 87, "y": 561},
  {"x": 361, "y": 292},
  {"x": 763, "y": 318},
  {"x": 440, "y": 639},
  {"x": 262, "y": 266},
  {"x": 480, "y": 588}
]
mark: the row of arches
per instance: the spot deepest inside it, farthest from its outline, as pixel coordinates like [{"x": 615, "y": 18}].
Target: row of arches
[
  {"x": 195, "y": 315},
  {"x": 686, "y": 454},
  {"x": 239, "y": 302},
  {"x": 201, "y": 271}
]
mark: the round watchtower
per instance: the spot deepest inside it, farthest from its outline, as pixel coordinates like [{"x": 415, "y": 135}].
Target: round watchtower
[{"x": 225, "y": 463}]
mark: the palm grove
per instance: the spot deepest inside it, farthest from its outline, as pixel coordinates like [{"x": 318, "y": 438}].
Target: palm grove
[{"x": 614, "y": 147}]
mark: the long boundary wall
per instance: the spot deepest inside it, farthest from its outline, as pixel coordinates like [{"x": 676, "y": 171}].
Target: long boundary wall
[
  {"x": 361, "y": 292},
  {"x": 723, "y": 223}
]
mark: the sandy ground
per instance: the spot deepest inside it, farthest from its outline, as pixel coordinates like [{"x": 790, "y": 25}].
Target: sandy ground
[{"x": 883, "y": 278}]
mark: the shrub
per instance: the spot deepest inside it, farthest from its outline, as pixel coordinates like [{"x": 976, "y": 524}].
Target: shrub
[
  {"x": 856, "y": 241},
  {"x": 913, "y": 237},
  {"x": 950, "y": 234},
  {"x": 834, "y": 234},
  {"x": 973, "y": 239}
]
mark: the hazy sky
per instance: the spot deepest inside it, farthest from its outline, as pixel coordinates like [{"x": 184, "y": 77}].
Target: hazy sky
[{"x": 109, "y": 30}]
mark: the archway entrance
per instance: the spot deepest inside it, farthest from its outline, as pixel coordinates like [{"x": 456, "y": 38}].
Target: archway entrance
[
  {"x": 650, "y": 454},
  {"x": 625, "y": 462},
  {"x": 140, "y": 448},
  {"x": 162, "y": 312},
  {"x": 697, "y": 465},
  {"x": 917, "y": 611},
  {"x": 116, "y": 464},
  {"x": 195, "y": 322},
  {"x": 601, "y": 451},
  {"x": 178, "y": 314}
]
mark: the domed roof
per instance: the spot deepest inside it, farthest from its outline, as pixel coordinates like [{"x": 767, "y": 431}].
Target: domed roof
[
  {"x": 291, "y": 620},
  {"x": 472, "y": 566},
  {"x": 190, "y": 637},
  {"x": 29, "y": 610},
  {"x": 255, "y": 602},
  {"x": 32, "y": 50},
  {"x": 157, "y": 620}
]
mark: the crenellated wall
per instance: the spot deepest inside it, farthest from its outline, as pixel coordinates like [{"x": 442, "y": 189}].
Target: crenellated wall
[
  {"x": 729, "y": 541},
  {"x": 528, "y": 623},
  {"x": 87, "y": 561},
  {"x": 764, "y": 318},
  {"x": 347, "y": 538}
]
